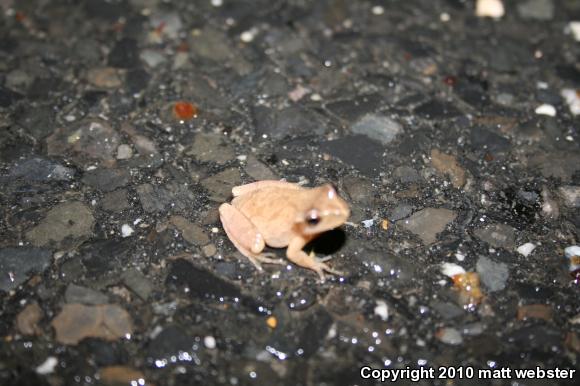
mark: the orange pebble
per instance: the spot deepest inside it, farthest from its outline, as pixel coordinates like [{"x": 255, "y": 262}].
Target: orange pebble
[
  {"x": 272, "y": 322},
  {"x": 385, "y": 224},
  {"x": 20, "y": 16},
  {"x": 185, "y": 110},
  {"x": 468, "y": 286}
]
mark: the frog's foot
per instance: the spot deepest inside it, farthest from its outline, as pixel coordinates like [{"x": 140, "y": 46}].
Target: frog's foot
[
  {"x": 264, "y": 258},
  {"x": 318, "y": 265},
  {"x": 269, "y": 258},
  {"x": 325, "y": 258},
  {"x": 255, "y": 263}
]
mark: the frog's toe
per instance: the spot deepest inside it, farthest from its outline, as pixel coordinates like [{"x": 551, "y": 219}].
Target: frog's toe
[
  {"x": 320, "y": 272},
  {"x": 332, "y": 271},
  {"x": 320, "y": 268},
  {"x": 269, "y": 258},
  {"x": 256, "y": 263}
]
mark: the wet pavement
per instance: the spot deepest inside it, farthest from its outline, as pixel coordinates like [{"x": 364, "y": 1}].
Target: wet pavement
[{"x": 452, "y": 135}]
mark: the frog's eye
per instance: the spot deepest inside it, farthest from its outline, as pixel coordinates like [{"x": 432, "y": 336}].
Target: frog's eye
[{"x": 312, "y": 218}]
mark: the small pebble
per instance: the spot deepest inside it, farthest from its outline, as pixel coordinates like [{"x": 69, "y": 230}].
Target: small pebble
[
  {"x": 535, "y": 311},
  {"x": 209, "y": 250},
  {"x": 468, "y": 286},
  {"x": 382, "y": 310},
  {"x": 124, "y": 152},
  {"x": 451, "y": 269},
  {"x": 572, "y": 251},
  {"x": 449, "y": 336},
  {"x": 248, "y": 36},
  {"x": 126, "y": 230},
  {"x": 574, "y": 28},
  {"x": 570, "y": 195},
  {"x": 209, "y": 342},
  {"x": 489, "y": 8},
  {"x": 272, "y": 322},
  {"x": 184, "y": 110},
  {"x": 546, "y": 109},
  {"x": 572, "y": 100},
  {"x": 573, "y": 254},
  {"x": 526, "y": 249},
  {"x": 378, "y": 10},
  {"x": 217, "y": 3},
  {"x": 368, "y": 223},
  {"x": 315, "y": 97},
  {"x": 47, "y": 367},
  {"x": 298, "y": 93},
  {"x": 385, "y": 224}
]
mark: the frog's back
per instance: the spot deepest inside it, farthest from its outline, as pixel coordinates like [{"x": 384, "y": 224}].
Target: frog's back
[{"x": 273, "y": 211}]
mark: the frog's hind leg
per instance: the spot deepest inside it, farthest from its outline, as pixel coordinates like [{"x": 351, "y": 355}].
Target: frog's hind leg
[{"x": 245, "y": 237}]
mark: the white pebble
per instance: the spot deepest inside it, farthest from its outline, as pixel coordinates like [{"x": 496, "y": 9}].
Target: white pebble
[
  {"x": 249, "y": 35},
  {"x": 126, "y": 230},
  {"x": 526, "y": 249},
  {"x": 47, "y": 367},
  {"x": 368, "y": 223},
  {"x": 489, "y": 8},
  {"x": 124, "y": 152},
  {"x": 572, "y": 251},
  {"x": 209, "y": 342},
  {"x": 444, "y": 17},
  {"x": 451, "y": 269},
  {"x": 382, "y": 310},
  {"x": 315, "y": 97},
  {"x": 378, "y": 10},
  {"x": 450, "y": 336},
  {"x": 298, "y": 93},
  {"x": 459, "y": 256},
  {"x": 574, "y": 28},
  {"x": 546, "y": 109},
  {"x": 572, "y": 99},
  {"x": 217, "y": 3}
]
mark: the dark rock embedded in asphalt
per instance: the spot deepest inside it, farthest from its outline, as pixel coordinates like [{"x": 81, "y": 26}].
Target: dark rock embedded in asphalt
[
  {"x": 125, "y": 124},
  {"x": 359, "y": 151},
  {"x": 106, "y": 180},
  {"x": 429, "y": 222},
  {"x": 83, "y": 295},
  {"x": 65, "y": 225},
  {"x": 18, "y": 264},
  {"x": 41, "y": 170}
]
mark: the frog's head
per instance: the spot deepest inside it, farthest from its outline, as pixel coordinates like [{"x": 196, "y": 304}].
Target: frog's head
[{"x": 327, "y": 211}]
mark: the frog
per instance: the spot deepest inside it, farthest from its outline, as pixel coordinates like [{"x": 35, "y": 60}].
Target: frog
[{"x": 282, "y": 214}]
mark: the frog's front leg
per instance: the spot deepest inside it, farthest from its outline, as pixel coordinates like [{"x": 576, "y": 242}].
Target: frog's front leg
[
  {"x": 244, "y": 235},
  {"x": 296, "y": 255}
]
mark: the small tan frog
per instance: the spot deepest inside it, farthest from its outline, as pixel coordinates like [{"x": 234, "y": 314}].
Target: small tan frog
[{"x": 282, "y": 214}]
